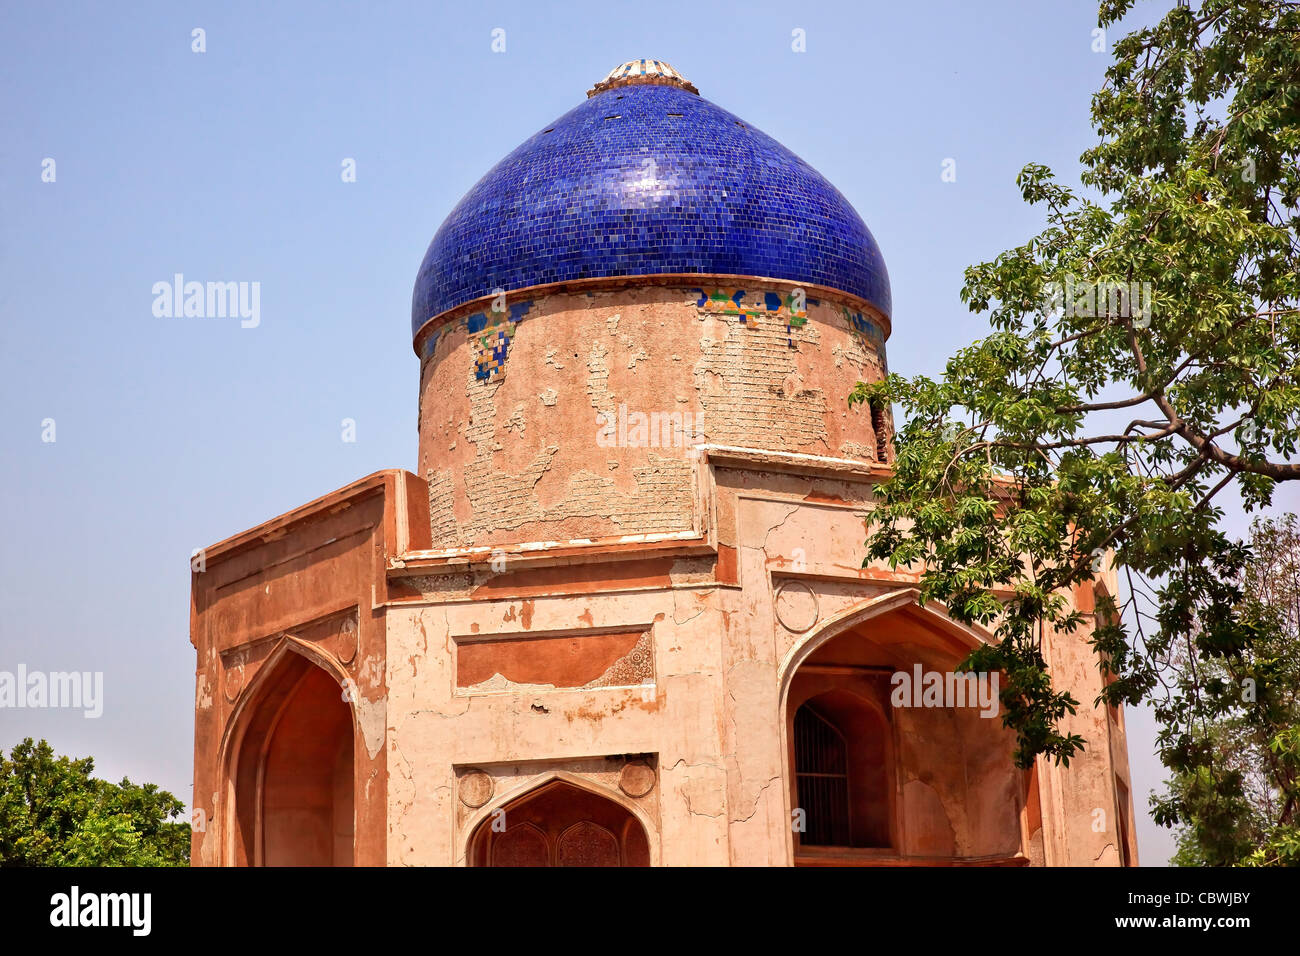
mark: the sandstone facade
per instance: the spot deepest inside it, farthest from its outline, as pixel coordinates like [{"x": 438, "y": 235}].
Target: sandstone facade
[{"x": 575, "y": 639}]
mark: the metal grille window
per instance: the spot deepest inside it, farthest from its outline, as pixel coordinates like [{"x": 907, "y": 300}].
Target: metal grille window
[{"x": 822, "y": 774}]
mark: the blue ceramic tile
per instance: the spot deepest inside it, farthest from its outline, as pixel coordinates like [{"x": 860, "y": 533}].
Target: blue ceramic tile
[{"x": 622, "y": 185}]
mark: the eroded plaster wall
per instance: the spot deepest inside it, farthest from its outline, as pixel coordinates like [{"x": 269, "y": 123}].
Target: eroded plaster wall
[
  {"x": 530, "y": 426},
  {"x": 703, "y": 717},
  {"x": 666, "y": 709}
]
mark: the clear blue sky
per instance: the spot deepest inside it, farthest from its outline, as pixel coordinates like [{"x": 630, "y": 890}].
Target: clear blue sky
[{"x": 173, "y": 433}]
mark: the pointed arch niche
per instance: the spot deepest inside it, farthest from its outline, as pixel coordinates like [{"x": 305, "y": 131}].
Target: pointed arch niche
[
  {"x": 289, "y": 765},
  {"x": 875, "y": 784},
  {"x": 558, "y": 823}
]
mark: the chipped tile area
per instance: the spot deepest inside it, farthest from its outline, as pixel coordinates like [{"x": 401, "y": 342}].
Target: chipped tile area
[
  {"x": 492, "y": 332},
  {"x": 733, "y": 302}
]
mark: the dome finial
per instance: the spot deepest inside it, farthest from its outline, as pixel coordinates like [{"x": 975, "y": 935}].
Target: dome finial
[{"x": 647, "y": 72}]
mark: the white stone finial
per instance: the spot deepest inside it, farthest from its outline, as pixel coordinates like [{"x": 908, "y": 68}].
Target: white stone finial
[{"x": 643, "y": 71}]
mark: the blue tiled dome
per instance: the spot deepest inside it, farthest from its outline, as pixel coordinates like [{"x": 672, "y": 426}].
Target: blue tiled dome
[{"x": 645, "y": 178}]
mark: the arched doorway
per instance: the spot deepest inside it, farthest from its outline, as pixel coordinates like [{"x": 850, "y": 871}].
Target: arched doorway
[
  {"x": 292, "y": 771},
  {"x": 875, "y": 778},
  {"x": 559, "y": 824},
  {"x": 842, "y": 778}
]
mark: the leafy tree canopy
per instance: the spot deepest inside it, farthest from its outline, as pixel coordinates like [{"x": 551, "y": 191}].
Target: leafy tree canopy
[
  {"x": 1239, "y": 805},
  {"x": 54, "y": 813},
  {"x": 1141, "y": 362}
]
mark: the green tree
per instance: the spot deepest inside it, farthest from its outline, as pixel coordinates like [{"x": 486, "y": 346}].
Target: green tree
[
  {"x": 1241, "y": 806},
  {"x": 53, "y": 812},
  {"x": 1088, "y": 426}
]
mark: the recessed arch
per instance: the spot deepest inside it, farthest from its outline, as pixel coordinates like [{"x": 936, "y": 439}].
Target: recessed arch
[
  {"x": 583, "y": 824},
  {"x": 963, "y": 635},
  {"x": 287, "y": 644},
  {"x": 288, "y": 758},
  {"x": 842, "y": 756},
  {"x": 842, "y": 671},
  {"x": 523, "y": 845}
]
